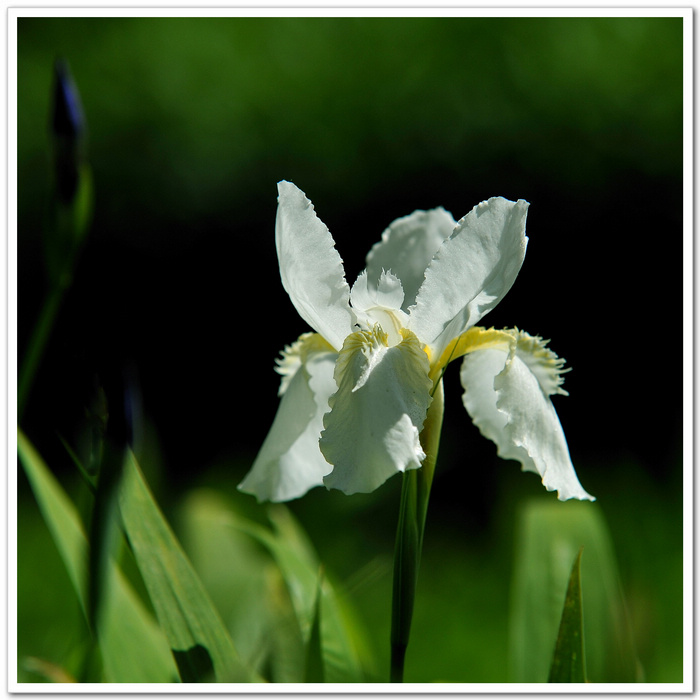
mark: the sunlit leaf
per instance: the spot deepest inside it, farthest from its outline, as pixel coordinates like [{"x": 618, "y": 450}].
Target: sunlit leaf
[
  {"x": 295, "y": 558},
  {"x": 60, "y": 516},
  {"x": 339, "y": 638},
  {"x": 133, "y": 648},
  {"x": 314, "y": 598},
  {"x": 202, "y": 646},
  {"x": 257, "y": 610},
  {"x": 569, "y": 663},
  {"x": 245, "y": 585}
]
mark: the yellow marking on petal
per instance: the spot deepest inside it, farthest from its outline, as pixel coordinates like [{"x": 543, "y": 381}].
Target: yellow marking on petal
[
  {"x": 366, "y": 343},
  {"x": 373, "y": 427},
  {"x": 476, "y": 338},
  {"x": 531, "y": 349},
  {"x": 366, "y": 339},
  {"x": 296, "y": 354},
  {"x": 410, "y": 343},
  {"x": 314, "y": 342},
  {"x": 300, "y": 350}
]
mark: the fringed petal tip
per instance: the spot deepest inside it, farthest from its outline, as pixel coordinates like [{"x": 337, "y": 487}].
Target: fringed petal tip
[{"x": 570, "y": 492}]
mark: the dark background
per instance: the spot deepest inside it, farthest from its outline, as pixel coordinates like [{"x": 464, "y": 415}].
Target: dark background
[{"x": 193, "y": 121}]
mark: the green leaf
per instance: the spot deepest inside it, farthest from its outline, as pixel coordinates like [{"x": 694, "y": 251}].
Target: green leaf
[
  {"x": 340, "y": 638},
  {"x": 133, "y": 648},
  {"x": 202, "y": 646},
  {"x": 550, "y": 533},
  {"x": 245, "y": 585},
  {"x": 103, "y": 532},
  {"x": 60, "y": 516},
  {"x": 313, "y": 671},
  {"x": 569, "y": 663},
  {"x": 295, "y": 558},
  {"x": 269, "y": 594},
  {"x": 318, "y": 606}
]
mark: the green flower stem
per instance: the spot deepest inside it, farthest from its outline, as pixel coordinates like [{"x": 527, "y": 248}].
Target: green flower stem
[
  {"x": 67, "y": 228},
  {"x": 36, "y": 346},
  {"x": 409, "y": 535}
]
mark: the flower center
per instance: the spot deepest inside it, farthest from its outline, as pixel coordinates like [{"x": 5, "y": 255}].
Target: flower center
[
  {"x": 389, "y": 321},
  {"x": 379, "y": 303}
]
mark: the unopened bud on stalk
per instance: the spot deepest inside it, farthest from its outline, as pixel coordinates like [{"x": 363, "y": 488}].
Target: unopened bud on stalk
[
  {"x": 71, "y": 206},
  {"x": 67, "y": 132}
]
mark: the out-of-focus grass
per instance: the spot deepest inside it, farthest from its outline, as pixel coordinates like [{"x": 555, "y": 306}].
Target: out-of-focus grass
[
  {"x": 464, "y": 588},
  {"x": 460, "y": 631}
]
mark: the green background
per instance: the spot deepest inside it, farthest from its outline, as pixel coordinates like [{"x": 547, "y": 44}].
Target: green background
[{"x": 191, "y": 124}]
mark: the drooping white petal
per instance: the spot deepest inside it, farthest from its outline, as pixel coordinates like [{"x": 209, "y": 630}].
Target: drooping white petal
[
  {"x": 311, "y": 269},
  {"x": 372, "y": 431},
  {"x": 406, "y": 248},
  {"x": 471, "y": 272},
  {"x": 290, "y": 462},
  {"x": 506, "y": 402}
]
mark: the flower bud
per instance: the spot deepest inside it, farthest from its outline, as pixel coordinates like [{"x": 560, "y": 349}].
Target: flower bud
[
  {"x": 67, "y": 133},
  {"x": 70, "y": 210}
]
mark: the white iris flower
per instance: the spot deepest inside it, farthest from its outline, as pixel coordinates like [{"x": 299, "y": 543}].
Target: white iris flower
[{"x": 355, "y": 393}]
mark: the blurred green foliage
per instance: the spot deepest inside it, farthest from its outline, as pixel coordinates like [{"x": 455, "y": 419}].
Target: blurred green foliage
[
  {"x": 189, "y": 117},
  {"x": 549, "y": 534},
  {"x": 216, "y": 101},
  {"x": 468, "y": 602},
  {"x": 190, "y": 124}
]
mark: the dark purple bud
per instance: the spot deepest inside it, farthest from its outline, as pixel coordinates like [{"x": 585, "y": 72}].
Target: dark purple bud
[
  {"x": 67, "y": 132},
  {"x": 68, "y": 120}
]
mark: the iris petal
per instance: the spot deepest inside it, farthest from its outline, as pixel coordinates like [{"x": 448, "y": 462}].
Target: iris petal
[
  {"x": 507, "y": 403},
  {"x": 311, "y": 269},
  {"x": 372, "y": 430},
  {"x": 289, "y": 462},
  {"x": 407, "y": 246},
  {"x": 471, "y": 272}
]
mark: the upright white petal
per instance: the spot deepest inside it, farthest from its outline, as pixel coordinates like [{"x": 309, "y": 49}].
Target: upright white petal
[
  {"x": 372, "y": 431},
  {"x": 507, "y": 403},
  {"x": 386, "y": 292},
  {"x": 471, "y": 272},
  {"x": 311, "y": 268},
  {"x": 379, "y": 303},
  {"x": 290, "y": 462},
  {"x": 406, "y": 248}
]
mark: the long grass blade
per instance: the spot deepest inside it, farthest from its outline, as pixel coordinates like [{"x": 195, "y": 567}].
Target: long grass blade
[
  {"x": 200, "y": 643},
  {"x": 569, "y": 662}
]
